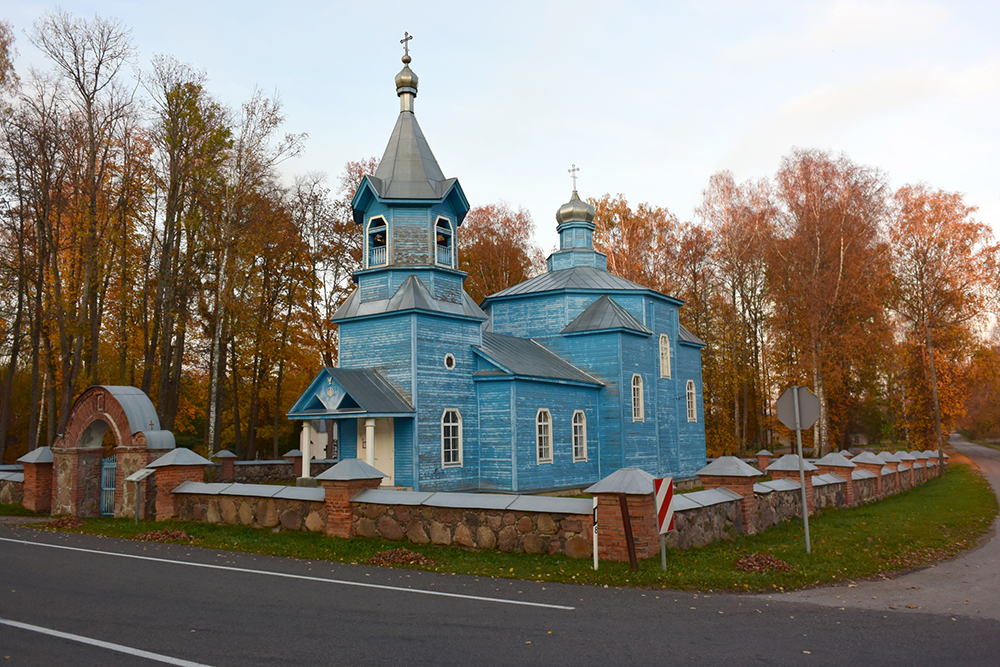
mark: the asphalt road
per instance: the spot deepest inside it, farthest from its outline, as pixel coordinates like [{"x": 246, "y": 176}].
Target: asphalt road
[{"x": 191, "y": 606}]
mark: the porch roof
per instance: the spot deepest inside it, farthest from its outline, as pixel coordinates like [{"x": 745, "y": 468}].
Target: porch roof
[{"x": 341, "y": 393}]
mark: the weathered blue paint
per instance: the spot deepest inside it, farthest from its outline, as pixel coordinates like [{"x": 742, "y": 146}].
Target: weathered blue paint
[{"x": 425, "y": 339}]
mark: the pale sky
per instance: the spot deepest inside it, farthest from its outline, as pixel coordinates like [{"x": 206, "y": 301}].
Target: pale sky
[{"x": 649, "y": 99}]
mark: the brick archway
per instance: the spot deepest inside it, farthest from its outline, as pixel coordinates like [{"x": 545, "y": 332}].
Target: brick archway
[{"x": 129, "y": 414}]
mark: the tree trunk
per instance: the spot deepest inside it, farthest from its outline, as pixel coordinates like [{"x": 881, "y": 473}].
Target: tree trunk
[{"x": 934, "y": 394}]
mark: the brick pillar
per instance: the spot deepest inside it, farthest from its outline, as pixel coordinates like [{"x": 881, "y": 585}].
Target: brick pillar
[
  {"x": 339, "y": 510},
  {"x": 844, "y": 473},
  {"x": 794, "y": 476},
  {"x": 169, "y": 478},
  {"x": 295, "y": 458},
  {"x": 38, "y": 487},
  {"x": 764, "y": 459},
  {"x": 228, "y": 469},
  {"x": 611, "y": 544},
  {"x": 742, "y": 486}
]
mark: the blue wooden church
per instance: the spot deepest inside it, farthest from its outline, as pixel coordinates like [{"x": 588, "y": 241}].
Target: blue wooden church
[{"x": 551, "y": 384}]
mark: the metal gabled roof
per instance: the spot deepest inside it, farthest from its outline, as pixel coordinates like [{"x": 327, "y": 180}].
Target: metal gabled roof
[
  {"x": 602, "y": 315},
  {"x": 575, "y": 278},
  {"x": 411, "y": 295},
  {"x": 688, "y": 337},
  {"x": 370, "y": 390},
  {"x": 524, "y": 357},
  {"x": 408, "y": 169}
]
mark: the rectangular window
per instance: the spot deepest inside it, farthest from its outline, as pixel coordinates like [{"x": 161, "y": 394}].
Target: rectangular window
[
  {"x": 579, "y": 436},
  {"x": 451, "y": 439},
  {"x": 543, "y": 436}
]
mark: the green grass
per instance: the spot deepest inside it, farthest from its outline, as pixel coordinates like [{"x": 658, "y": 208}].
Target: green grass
[
  {"x": 16, "y": 510},
  {"x": 936, "y": 521}
]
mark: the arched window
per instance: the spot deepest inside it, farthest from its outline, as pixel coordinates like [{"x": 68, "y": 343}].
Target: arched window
[
  {"x": 377, "y": 247},
  {"x": 579, "y": 436},
  {"x": 664, "y": 356},
  {"x": 543, "y": 436},
  {"x": 451, "y": 439},
  {"x": 638, "y": 414},
  {"x": 691, "y": 405},
  {"x": 443, "y": 242}
]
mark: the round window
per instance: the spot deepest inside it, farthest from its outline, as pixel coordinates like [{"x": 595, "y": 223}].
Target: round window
[{"x": 449, "y": 361}]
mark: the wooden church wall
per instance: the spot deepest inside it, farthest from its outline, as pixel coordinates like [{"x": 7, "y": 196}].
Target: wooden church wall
[{"x": 495, "y": 449}]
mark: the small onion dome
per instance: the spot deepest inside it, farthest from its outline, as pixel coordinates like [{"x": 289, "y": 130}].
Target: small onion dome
[
  {"x": 575, "y": 210},
  {"x": 406, "y": 80}
]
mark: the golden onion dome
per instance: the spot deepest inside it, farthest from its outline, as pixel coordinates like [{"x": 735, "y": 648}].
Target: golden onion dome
[
  {"x": 406, "y": 78},
  {"x": 575, "y": 210}
]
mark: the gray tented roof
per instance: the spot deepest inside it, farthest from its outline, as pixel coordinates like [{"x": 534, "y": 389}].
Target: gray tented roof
[
  {"x": 888, "y": 457},
  {"x": 223, "y": 454},
  {"x": 138, "y": 408},
  {"x": 408, "y": 169},
  {"x": 576, "y": 278},
  {"x": 350, "y": 469},
  {"x": 181, "y": 456},
  {"x": 370, "y": 390},
  {"x": 689, "y": 337},
  {"x": 729, "y": 466},
  {"x": 790, "y": 462},
  {"x": 866, "y": 457},
  {"x": 835, "y": 459},
  {"x": 524, "y": 357},
  {"x": 38, "y": 455},
  {"x": 412, "y": 294},
  {"x": 602, "y": 315},
  {"x": 626, "y": 480}
]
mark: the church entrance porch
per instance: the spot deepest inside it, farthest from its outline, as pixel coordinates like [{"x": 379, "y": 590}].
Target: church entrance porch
[{"x": 381, "y": 432}]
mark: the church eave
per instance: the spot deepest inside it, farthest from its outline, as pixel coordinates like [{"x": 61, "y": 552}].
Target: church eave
[{"x": 504, "y": 377}]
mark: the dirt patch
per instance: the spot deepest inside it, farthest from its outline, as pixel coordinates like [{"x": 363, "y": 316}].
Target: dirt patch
[
  {"x": 63, "y": 523},
  {"x": 165, "y": 536},
  {"x": 401, "y": 557},
  {"x": 762, "y": 563}
]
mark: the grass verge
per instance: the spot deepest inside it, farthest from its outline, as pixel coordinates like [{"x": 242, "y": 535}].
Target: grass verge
[
  {"x": 16, "y": 510},
  {"x": 934, "y": 522}
]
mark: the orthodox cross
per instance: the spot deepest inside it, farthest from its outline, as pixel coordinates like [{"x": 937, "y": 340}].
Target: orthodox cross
[
  {"x": 406, "y": 42},
  {"x": 572, "y": 173},
  {"x": 151, "y": 425}
]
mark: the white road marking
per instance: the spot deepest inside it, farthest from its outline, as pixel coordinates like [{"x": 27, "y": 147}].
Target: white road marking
[
  {"x": 341, "y": 582},
  {"x": 102, "y": 644}
]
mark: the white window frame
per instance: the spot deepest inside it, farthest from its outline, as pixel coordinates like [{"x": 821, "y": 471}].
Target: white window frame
[
  {"x": 638, "y": 407},
  {"x": 451, "y": 246},
  {"x": 665, "y": 358},
  {"x": 579, "y": 439},
  {"x": 692, "y": 406},
  {"x": 543, "y": 439},
  {"x": 377, "y": 221},
  {"x": 444, "y": 462}
]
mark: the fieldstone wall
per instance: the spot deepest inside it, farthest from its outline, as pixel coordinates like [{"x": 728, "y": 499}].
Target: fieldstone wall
[
  {"x": 263, "y": 472},
  {"x": 865, "y": 490},
  {"x": 250, "y": 511},
  {"x": 11, "y": 493},
  {"x": 704, "y": 525},
  {"x": 830, "y": 495},
  {"x": 476, "y": 529},
  {"x": 772, "y": 508}
]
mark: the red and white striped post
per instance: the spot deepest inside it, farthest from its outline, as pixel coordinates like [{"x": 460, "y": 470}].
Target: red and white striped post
[{"x": 663, "y": 488}]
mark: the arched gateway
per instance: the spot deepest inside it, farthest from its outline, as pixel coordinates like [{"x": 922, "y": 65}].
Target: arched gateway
[{"x": 77, "y": 453}]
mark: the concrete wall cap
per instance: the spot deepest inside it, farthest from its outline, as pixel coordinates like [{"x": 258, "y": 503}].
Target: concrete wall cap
[
  {"x": 350, "y": 469},
  {"x": 790, "y": 462},
  {"x": 182, "y": 456},
  {"x": 39, "y": 455},
  {"x": 626, "y": 480},
  {"x": 835, "y": 460},
  {"x": 729, "y": 466}
]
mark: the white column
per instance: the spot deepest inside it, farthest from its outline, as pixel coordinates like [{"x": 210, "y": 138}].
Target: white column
[
  {"x": 370, "y": 442},
  {"x": 306, "y": 448}
]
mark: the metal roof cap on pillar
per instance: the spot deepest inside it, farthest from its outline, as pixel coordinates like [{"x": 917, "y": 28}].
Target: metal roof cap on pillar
[
  {"x": 790, "y": 462},
  {"x": 182, "y": 456},
  {"x": 39, "y": 455},
  {"x": 763, "y": 452},
  {"x": 887, "y": 457},
  {"x": 224, "y": 454},
  {"x": 631, "y": 481},
  {"x": 867, "y": 457},
  {"x": 837, "y": 460},
  {"x": 729, "y": 466},
  {"x": 350, "y": 469}
]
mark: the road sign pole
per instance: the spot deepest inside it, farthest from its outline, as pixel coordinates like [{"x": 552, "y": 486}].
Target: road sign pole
[
  {"x": 663, "y": 551},
  {"x": 595, "y": 532},
  {"x": 802, "y": 468}
]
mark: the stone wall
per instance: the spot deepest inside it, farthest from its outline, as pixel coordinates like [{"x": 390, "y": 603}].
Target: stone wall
[
  {"x": 11, "y": 492},
  {"x": 704, "y": 525},
  {"x": 775, "y": 507},
  {"x": 252, "y": 511},
  {"x": 530, "y": 532},
  {"x": 830, "y": 495},
  {"x": 865, "y": 490}
]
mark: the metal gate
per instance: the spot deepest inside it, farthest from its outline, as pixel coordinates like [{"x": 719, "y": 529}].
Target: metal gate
[{"x": 109, "y": 467}]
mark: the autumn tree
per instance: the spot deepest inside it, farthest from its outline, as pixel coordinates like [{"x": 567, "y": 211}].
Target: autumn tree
[
  {"x": 497, "y": 249},
  {"x": 827, "y": 275},
  {"x": 940, "y": 258},
  {"x": 641, "y": 243}
]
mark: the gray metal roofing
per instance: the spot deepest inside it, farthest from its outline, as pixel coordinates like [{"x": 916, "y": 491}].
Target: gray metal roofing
[
  {"x": 179, "y": 457},
  {"x": 837, "y": 460},
  {"x": 730, "y": 466},
  {"x": 223, "y": 454},
  {"x": 485, "y": 501},
  {"x": 12, "y": 477},
  {"x": 412, "y": 294},
  {"x": 38, "y": 455},
  {"x": 689, "y": 337},
  {"x": 790, "y": 462},
  {"x": 526, "y": 358},
  {"x": 781, "y": 484},
  {"x": 866, "y": 457},
  {"x": 862, "y": 474},
  {"x": 351, "y": 469},
  {"x": 828, "y": 478},
  {"x": 370, "y": 390},
  {"x": 138, "y": 408},
  {"x": 625, "y": 480},
  {"x": 408, "y": 169},
  {"x": 604, "y": 314},
  {"x": 576, "y": 278}
]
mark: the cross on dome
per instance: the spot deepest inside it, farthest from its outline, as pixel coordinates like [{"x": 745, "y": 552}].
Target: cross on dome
[
  {"x": 572, "y": 173},
  {"x": 406, "y": 44}
]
